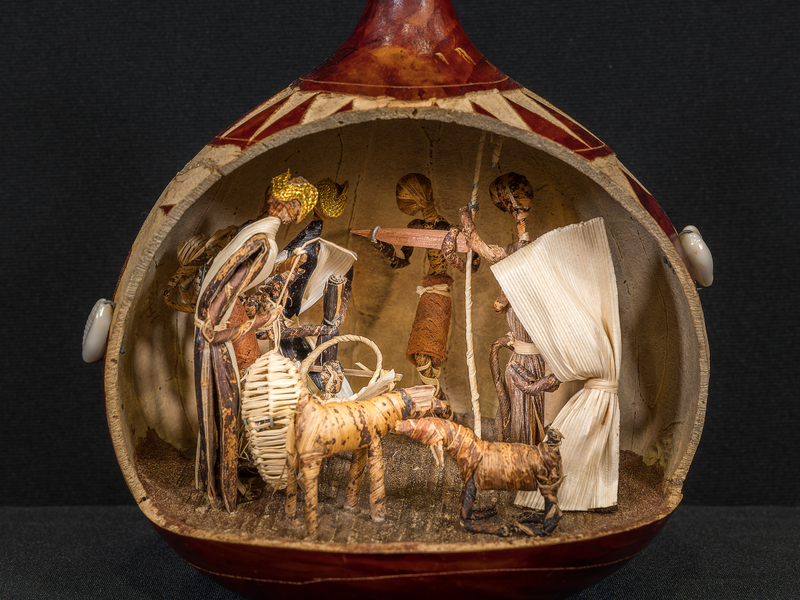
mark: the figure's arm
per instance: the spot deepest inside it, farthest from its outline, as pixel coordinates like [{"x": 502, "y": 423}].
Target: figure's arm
[
  {"x": 501, "y": 304},
  {"x": 453, "y": 259},
  {"x": 529, "y": 383},
  {"x": 489, "y": 252},
  {"x": 504, "y": 402},
  {"x": 395, "y": 261},
  {"x": 407, "y": 251}
]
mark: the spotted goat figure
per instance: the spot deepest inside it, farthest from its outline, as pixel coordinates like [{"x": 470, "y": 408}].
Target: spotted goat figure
[{"x": 496, "y": 466}]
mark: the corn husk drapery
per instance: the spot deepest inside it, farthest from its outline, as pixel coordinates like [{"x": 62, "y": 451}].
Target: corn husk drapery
[{"x": 564, "y": 291}]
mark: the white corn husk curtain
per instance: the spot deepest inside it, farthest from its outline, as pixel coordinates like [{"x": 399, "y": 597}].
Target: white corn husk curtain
[{"x": 563, "y": 289}]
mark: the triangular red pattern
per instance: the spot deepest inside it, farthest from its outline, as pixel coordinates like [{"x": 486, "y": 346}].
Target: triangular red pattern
[
  {"x": 599, "y": 152},
  {"x": 293, "y": 117},
  {"x": 597, "y": 148},
  {"x": 247, "y": 127},
  {"x": 480, "y": 110},
  {"x": 549, "y": 130},
  {"x": 346, "y": 108},
  {"x": 650, "y": 205}
]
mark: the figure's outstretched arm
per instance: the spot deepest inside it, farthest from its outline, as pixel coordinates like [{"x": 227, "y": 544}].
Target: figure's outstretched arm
[
  {"x": 449, "y": 246},
  {"x": 395, "y": 260},
  {"x": 489, "y": 252}
]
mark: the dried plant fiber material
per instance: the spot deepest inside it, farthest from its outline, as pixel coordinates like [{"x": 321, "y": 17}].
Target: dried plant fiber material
[
  {"x": 331, "y": 260},
  {"x": 320, "y": 430},
  {"x": 246, "y": 347},
  {"x": 246, "y": 261},
  {"x": 493, "y": 465},
  {"x": 563, "y": 289},
  {"x": 269, "y": 397},
  {"x": 432, "y": 321},
  {"x": 268, "y": 226}
]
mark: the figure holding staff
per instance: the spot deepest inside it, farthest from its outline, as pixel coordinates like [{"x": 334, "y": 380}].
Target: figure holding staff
[
  {"x": 427, "y": 343},
  {"x": 520, "y": 406}
]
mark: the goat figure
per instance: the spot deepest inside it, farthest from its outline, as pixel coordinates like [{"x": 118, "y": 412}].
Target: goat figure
[
  {"x": 320, "y": 430},
  {"x": 496, "y": 466}
]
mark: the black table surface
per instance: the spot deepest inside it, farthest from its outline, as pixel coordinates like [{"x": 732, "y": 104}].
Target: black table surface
[{"x": 113, "y": 552}]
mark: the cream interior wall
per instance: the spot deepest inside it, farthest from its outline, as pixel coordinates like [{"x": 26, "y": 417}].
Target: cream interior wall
[{"x": 659, "y": 381}]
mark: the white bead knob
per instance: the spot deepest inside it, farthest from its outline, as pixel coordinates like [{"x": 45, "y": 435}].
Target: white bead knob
[
  {"x": 699, "y": 255},
  {"x": 95, "y": 334}
]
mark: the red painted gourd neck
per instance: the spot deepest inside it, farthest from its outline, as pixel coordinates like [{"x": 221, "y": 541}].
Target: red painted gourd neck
[{"x": 407, "y": 50}]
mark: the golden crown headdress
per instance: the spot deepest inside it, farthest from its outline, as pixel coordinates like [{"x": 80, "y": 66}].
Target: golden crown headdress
[
  {"x": 285, "y": 189},
  {"x": 332, "y": 198}
]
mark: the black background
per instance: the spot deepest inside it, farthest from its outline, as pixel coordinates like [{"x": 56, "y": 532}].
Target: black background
[{"x": 102, "y": 103}]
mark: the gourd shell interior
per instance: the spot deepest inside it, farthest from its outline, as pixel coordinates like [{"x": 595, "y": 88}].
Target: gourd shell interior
[{"x": 149, "y": 372}]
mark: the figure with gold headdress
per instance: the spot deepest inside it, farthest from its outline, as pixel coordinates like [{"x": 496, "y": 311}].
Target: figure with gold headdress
[
  {"x": 307, "y": 281},
  {"x": 427, "y": 343}
]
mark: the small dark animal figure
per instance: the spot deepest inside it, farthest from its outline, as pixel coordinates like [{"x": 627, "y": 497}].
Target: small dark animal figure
[
  {"x": 320, "y": 430},
  {"x": 496, "y": 466}
]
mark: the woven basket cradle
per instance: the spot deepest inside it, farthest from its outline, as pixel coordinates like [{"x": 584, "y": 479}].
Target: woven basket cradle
[{"x": 270, "y": 392}]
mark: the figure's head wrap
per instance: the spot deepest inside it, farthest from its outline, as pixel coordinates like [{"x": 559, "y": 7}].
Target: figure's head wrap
[
  {"x": 511, "y": 191},
  {"x": 332, "y": 198},
  {"x": 293, "y": 191},
  {"x": 414, "y": 194}
]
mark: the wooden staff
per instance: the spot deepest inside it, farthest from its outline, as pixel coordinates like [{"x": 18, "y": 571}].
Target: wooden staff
[
  {"x": 414, "y": 238},
  {"x": 470, "y": 354},
  {"x": 335, "y": 300}
]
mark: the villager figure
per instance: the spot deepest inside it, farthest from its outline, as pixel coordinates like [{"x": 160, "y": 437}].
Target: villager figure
[
  {"x": 427, "y": 343},
  {"x": 520, "y": 391},
  {"x": 564, "y": 288},
  {"x": 246, "y": 261}
]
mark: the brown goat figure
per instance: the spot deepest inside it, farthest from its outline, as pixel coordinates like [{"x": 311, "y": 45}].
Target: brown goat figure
[
  {"x": 495, "y": 466},
  {"x": 320, "y": 430}
]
